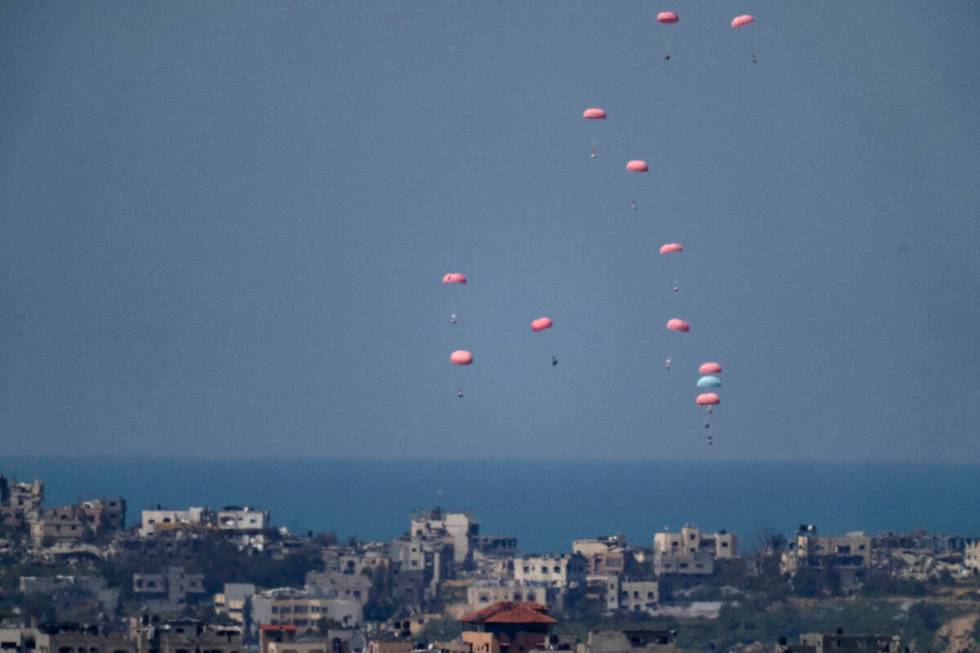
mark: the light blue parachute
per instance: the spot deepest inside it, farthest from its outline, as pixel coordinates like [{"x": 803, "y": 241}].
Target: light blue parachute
[{"x": 709, "y": 382}]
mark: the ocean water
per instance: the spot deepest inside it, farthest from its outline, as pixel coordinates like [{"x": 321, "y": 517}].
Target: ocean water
[{"x": 545, "y": 504}]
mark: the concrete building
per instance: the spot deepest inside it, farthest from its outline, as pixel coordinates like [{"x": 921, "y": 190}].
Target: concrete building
[
  {"x": 811, "y": 550},
  {"x": 336, "y": 585},
  {"x": 169, "y": 592},
  {"x": 632, "y": 595},
  {"x": 565, "y": 571},
  {"x": 76, "y": 638},
  {"x": 462, "y": 528},
  {"x": 20, "y": 503},
  {"x": 161, "y": 519},
  {"x": 62, "y": 524},
  {"x": 630, "y": 641},
  {"x": 242, "y": 519},
  {"x": 691, "y": 552},
  {"x": 507, "y": 627},
  {"x": 484, "y": 593},
  {"x": 103, "y": 515},
  {"x": 604, "y": 555},
  {"x": 390, "y": 645},
  {"x": 841, "y": 643},
  {"x": 288, "y": 606},
  {"x": 185, "y": 636},
  {"x": 287, "y": 639},
  {"x": 233, "y": 602}
]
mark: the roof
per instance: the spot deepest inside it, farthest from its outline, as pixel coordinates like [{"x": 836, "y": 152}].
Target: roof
[
  {"x": 511, "y": 612},
  {"x": 271, "y": 627}
]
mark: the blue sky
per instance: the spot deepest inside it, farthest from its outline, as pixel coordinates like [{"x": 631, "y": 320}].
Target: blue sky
[{"x": 224, "y": 226}]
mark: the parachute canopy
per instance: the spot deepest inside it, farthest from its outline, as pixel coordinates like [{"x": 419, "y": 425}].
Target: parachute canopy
[
  {"x": 707, "y": 399},
  {"x": 709, "y": 382},
  {"x": 637, "y": 166},
  {"x": 742, "y": 21},
  {"x": 667, "y": 17},
  {"x": 677, "y": 324},
  {"x": 594, "y": 113},
  {"x": 541, "y": 324},
  {"x": 461, "y": 357},
  {"x": 671, "y": 248},
  {"x": 709, "y": 368},
  {"x": 454, "y": 277}
]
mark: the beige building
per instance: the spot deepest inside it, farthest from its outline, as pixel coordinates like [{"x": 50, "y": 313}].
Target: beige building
[
  {"x": 245, "y": 519},
  {"x": 485, "y": 593},
  {"x": 565, "y": 571},
  {"x": 168, "y": 520},
  {"x": 811, "y": 550},
  {"x": 691, "y": 552},
  {"x": 632, "y": 595},
  {"x": 462, "y": 528},
  {"x": 293, "y": 607},
  {"x": 233, "y": 602},
  {"x": 606, "y": 555}
]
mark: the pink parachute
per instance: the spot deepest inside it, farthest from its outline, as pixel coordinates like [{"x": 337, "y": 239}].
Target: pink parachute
[
  {"x": 671, "y": 248},
  {"x": 454, "y": 277},
  {"x": 541, "y": 324},
  {"x": 742, "y": 21},
  {"x": 709, "y": 368},
  {"x": 461, "y": 357},
  {"x": 707, "y": 399},
  {"x": 594, "y": 113},
  {"x": 637, "y": 166},
  {"x": 677, "y": 324},
  {"x": 667, "y": 17}
]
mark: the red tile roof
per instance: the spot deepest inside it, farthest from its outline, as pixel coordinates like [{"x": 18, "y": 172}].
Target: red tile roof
[{"x": 511, "y": 612}]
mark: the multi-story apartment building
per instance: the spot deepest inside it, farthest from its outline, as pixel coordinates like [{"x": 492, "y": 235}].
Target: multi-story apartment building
[{"x": 566, "y": 571}]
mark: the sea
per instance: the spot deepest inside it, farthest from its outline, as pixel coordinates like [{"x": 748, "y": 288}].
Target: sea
[{"x": 544, "y": 504}]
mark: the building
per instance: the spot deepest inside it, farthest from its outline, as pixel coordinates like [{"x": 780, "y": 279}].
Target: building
[
  {"x": 242, "y": 519},
  {"x": 77, "y": 638},
  {"x": 846, "y": 553},
  {"x": 632, "y": 595},
  {"x": 233, "y": 602},
  {"x": 161, "y": 519},
  {"x": 691, "y": 552},
  {"x": 169, "y": 592},
  {"x": 630, "y": 641},
  {"x": 390, "y": 645},
  {"x": 603, "y": 555},
  {"x": 286, "y": 639},
  {"x": 461, "y": 528},
  {"x": 484, "y": 593},
  {"x": 841, "y": 643},
  {"x": 103, "y": 515},
  {"x": 565, "y": 571},
  {"x": 288, "y": 606},
  {"x": 507, "y": 627},
  {"x": 335, "y": 585},
  {"x": 185, "y": 636},
  {"x": 63, "y": 524},
  {"x": 20, "y": 503}
]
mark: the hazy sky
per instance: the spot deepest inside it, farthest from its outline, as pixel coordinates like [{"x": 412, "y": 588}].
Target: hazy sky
[{"x": 223, "y": 227}]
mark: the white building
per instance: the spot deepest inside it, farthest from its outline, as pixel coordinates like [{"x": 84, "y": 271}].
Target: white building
[
  {"x": 556, "y": 570},
  {"x": 234, "y": 518},
  {"x": 160, "y": 519}
]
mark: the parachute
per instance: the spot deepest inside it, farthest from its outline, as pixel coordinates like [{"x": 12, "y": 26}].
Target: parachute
[
  {"x": 709, "y": 382},
  {"x": 541, "y": 323},
  {"x": 709, "y": 368},
  {"x": 461, "y": 357},
  {"x": 594, "y": 113},
  {"x": 677, "y": 324},
  {"x": 667, "y": 18},
  {"x": 742, "y": 21},
  {"x": 454, "y": 277},
  {"x": 637, "y": 166},
  {"x": 707, "y": 399},
  {"x": 671, "y": 248}
]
